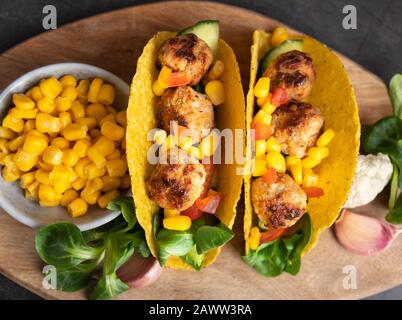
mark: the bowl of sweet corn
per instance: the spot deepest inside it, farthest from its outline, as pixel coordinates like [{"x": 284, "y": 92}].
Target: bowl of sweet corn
[{"x": 62, "y": 145}]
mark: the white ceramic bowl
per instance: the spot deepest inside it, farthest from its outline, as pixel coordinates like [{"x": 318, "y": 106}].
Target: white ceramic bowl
[{"x": 12, "y": 199}]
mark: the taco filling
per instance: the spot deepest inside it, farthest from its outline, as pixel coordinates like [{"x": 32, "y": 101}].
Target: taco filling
[
  {"x": 290, "y": 147},
  {"x": 188, "y": 89}
]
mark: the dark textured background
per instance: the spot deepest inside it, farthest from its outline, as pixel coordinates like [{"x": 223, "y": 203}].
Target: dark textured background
[{"x": 376, "y": 44}]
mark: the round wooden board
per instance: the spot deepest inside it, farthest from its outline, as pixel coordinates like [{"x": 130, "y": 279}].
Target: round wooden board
[{"x": 114, "y": 41}]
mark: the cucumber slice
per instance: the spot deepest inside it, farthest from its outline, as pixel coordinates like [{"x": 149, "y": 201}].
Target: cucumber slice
[
  {"x": 207, "y": 30},
  {"x": 285, "y": 46}
]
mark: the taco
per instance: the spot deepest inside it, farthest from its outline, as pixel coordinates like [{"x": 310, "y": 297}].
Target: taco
[
  {"x": 303, "y": 140},
  {"x": 187, "y": 85}
]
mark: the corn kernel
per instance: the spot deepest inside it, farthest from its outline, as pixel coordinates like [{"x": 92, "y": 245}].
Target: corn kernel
[
  {"x": 91, "y": 171},
  {"x": 310, "y": 179},
  {"x": 69, "y": 196},
  {"x": 27, "y": 179},
  {"x": 82, "y": 89},
  {"x": 318, "y": 153},
  {"x": 45, "y": 166},
  {"x": 36, "y": 94},
  {"x": 325, "y": 138},
  {"x": 79, "y": 167},
  {"x": 32, "y": 195},
  {"x": 48, "y": 194},
  {"x": 3, "y": 146},
  {"x": 105, "y": 146},
  {"x": 116, "y": 168},
  {"x": 215, "y": 90},
  {"x": 209, "y": 144},
  {"x": 272, "y": 145},
  {"x": 81, "y": 147},
  {"x": 121, "y": 118},
  {"x": 77, "y": 110},
  {"x": 70, "y": 158},
  {"x": 217, "y": 70},
  {"x": 186, "y": 143},
  {"x": 52, "y": 155},
  {"x": 7, "y": 133},
  {"x": 23, "y": 113},
  {"x": 90, "y": 198},
  {"x": 104, "y": 200},
  {"x": 260, "y": 101},
  {"x": 75, "y": 131},
  {"x": 94, "y": 89},
  {"x": 10, "y": 174},
  {"x": 254, "y": 239},
  {"x": 170, "y": 212},
  {"x": 89, "y": 122},
  {"x": 45, "y": 104},
  {"x": 22, "y": 101},
  {"x": 54, "y": 203},
  {"x": 62, "y": 104},
  {"x": 123, "y": 143},
  {"x": 25, "y": 161},
  {"x": 35, "y": 144},
  {"x": 163, "y": 76},
  {"x": 106, "y": 94},
  {"x": 7, "y": 160},
  {"x": 28, "y": 94},
  {"x": 78, "y": 207},
  {"x": 14, "y": 144},
  {"x": 125, "y": 182},
  {"x": 262, "y": 117},
  {"x": 60, "y": 143},
  {"x": 179, "y": 223},
  {"x": 278, "y": 36},
  {"x": 60, "y": 186},
  {"x": 159, "y": 136},
  {"x": 111, "y": 117},
  {"x": 158, "y": 88},
  {"x": 297, "y": 173},
  {"x": 110, "y": 183},
  {"x": 43, "y": 177},
  {"x": 13, "y": 123},
  {"x": 79, "y": 184},
  {"x": 69, "y": 93},
  {"x": 113, "y": 131},
  {"x": 115, "y": 155},
  {"x": 68, "y": 80},
  {"x": 261, "y": 89},
  {"x": 46, "y": 123},
  {"x": 268, "y": 107},
  {"x": 96, "y": 157},
  {"x": 259, "y": 167},
  {"x": 292, "y": 160},
  {"x": 29, "y": 126},
  {"x": 51, "y": 87},
  {"x": 97, "y": 111},
  {"x": 277, "y": 161},
  {"x": 260, "y": 148},
  {"x": 310, "y": 163}
]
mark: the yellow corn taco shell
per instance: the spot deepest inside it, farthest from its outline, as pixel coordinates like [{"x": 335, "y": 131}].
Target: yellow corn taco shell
[
  {"x": 333, "y": 94},
  {"x": 141, "y": 118}
]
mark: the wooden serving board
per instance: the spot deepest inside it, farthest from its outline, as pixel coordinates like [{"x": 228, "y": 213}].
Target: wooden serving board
[{"x": 114, "y": 41}]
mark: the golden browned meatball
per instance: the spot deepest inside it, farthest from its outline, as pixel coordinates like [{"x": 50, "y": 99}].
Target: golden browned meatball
[
  {"x": 280, "y": 204},
  {"x": 294, "y": 72},
  {"x": 189, "y": 108},
  {"x": 177, "y": 183},
  {"x": 297, "y": 126},
  {"x": 187, "y": 53}
]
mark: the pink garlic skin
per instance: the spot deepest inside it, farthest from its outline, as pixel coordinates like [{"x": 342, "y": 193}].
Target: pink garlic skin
[
  {"x": 362, "y": 234},
  {"x": 139, "y": 272}
]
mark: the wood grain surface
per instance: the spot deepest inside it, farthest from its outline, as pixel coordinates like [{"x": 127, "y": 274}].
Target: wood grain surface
[{"x": 114, "y": 41}]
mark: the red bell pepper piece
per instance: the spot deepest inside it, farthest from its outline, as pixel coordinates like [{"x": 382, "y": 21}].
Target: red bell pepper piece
[
  {"x": 279, "y": 97},
  {"x": 314, "y": 192},
  {"x": 270, "y": 176},
  {"x": 193, "y": 212},
  {"x": 272, "y": 234},
  {"x": 210, "y": 203},
  {"x": 262, "y": 131},
  {"x": 176, "y": 79}
]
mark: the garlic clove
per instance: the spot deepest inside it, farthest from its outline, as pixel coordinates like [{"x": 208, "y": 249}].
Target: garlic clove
[{"x": 363, "y": 235}]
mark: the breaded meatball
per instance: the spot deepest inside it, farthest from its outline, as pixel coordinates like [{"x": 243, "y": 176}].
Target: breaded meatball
[
  {"x": 294, "y": 72},
  {"x": 189, "y": 108},
  {"x": 280, "y": 204},
  {"x": 187, "y": 53},
  {"x": 177, "y": 183},
  {"x": 297, "y": 126}
]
